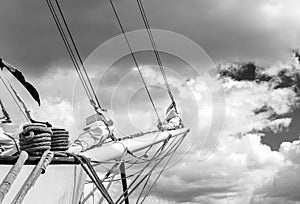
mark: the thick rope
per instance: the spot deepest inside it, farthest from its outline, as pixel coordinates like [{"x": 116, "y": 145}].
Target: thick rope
[
  {"x": 134, "y": 59},
  {"x": 93, "y": 176},
  {"x": 157, "y": 56},
  {"x": 33, "y": 176},
  {"x": 12, "y": 175}
]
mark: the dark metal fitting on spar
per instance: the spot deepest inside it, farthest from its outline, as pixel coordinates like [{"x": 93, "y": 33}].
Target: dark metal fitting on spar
[{"x": 2, "y": 65}]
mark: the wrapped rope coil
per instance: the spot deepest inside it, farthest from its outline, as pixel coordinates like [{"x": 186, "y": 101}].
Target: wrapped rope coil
[
  {"x": 59, "y": 139},
  {"x": 35, "y": 139}
]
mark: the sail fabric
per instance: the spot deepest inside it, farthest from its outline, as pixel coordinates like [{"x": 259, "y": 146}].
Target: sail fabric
[
  {"x": 93, "y": 135},
  {"x": 20, "y": 77},
  {"x": 7, "y": 145}
]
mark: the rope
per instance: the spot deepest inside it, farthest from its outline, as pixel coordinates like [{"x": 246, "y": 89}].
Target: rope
[
  {"x": 134, "y": 59},
  {"x": 116, "y": 165},
  {"x": 93, "y": 176},
  {"x": 88, "y": 87},
  {"x": 107, "y": 188},
  {"x": 12, "y": 175},
  {"x": 163, "y": 169},
  {"x": 131, "y": 184},
  {"x": 35, "y": 139},
  {"x": 156, "y": 53},
  {"x": 154, "y": 166},
  {"x": 33, "y": 176}
]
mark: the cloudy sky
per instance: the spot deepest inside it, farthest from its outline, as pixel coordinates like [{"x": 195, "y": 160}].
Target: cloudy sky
[{"x": 244, "y": 146}]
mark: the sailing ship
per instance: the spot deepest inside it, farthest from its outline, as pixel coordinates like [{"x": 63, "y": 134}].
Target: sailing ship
[{"x": 130, "y": 164}]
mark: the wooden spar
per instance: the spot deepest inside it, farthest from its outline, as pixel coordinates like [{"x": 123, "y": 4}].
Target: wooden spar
[{"x": 111, "y": 151}]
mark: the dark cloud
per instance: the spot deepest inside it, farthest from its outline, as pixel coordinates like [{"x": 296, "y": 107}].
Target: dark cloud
[
  {"x": 286, "y": 76},
  {"x": 254, "y": 30},
  {"x": 244, "y": 72},
  {"x": 29, "y": 38}
]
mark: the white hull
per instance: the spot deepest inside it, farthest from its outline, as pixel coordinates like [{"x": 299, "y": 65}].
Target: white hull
[{"x": 61, "y": 184}]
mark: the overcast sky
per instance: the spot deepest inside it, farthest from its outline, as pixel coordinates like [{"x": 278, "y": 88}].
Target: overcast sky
[{"x": 229, "y": 165}]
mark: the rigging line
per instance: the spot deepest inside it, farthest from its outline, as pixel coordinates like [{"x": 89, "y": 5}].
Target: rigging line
[
  {"x": 79, "y": 57},
  {"x": 171, "y": 152},
  {"x": 134, "y": 58},
  {"x": 140, "y": 173},
  {"x": 15, "y": 100},
  {"x": 167, "y": 151},
  {"x": 68, "y": 48},
  {"x": 141, "y": 181},
  {"x": 65, "y": 40},
  {"x": 157, "y": 56},
  {"x": 163, "y": 169}
]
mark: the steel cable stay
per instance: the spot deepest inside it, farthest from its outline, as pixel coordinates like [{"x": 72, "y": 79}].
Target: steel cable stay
[
  {"x": 68, "y": 47},
  {"x": 156, "y": 53},
  {"x": 145, "y": 177},
  {"x": 171, "y": 152},
  {"x": 153, "y": 158},
  {"x": 116, "y": 165},
  {"x": 74, "y": 54},
  {"x": 158, "y": 160},
  {"x": 138, "y": 172},
  {"x": 162, "y": 170},
  {"x": 144, "y": 168},
  {"x": 134, "y": 59},
  {"x": 136, "y": 178},
  {"x": 166, "y": 151}
]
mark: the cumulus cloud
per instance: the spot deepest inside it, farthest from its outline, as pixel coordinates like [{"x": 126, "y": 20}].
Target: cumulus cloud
[{"x": 241, "y": 168}]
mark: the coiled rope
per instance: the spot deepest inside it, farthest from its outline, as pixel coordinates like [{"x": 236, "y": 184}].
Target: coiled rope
[{"x": 35, "y": 139}]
